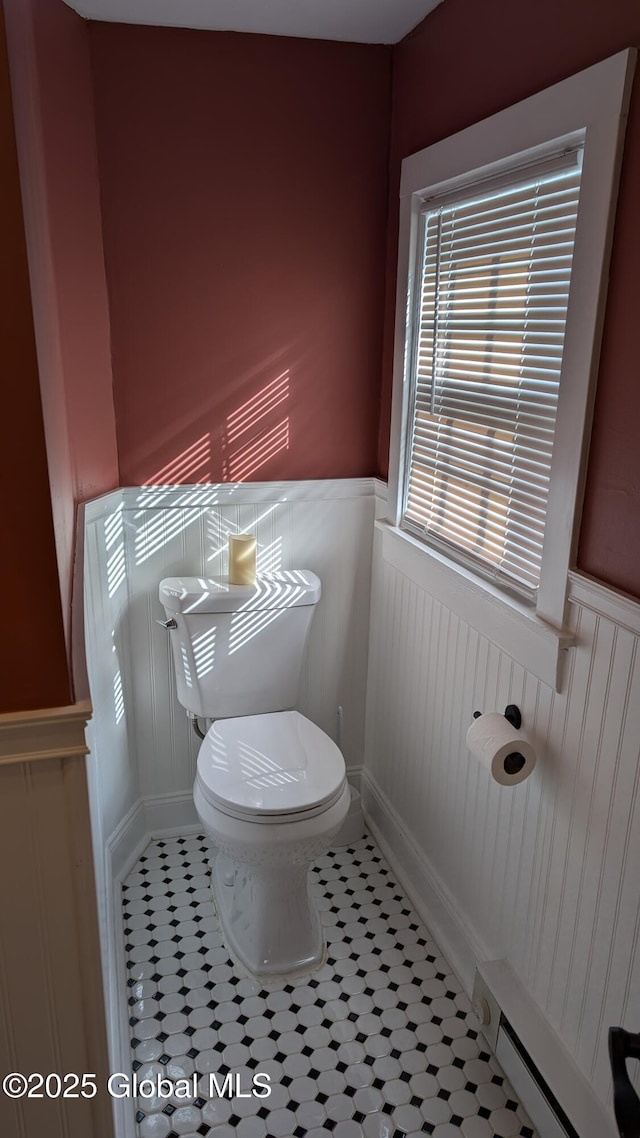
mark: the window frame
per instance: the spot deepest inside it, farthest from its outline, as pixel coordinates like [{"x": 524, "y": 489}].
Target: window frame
[{"x": 591, "y": 105}]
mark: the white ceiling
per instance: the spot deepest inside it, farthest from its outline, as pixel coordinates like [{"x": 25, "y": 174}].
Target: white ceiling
[{"x": 362, "y": 21}]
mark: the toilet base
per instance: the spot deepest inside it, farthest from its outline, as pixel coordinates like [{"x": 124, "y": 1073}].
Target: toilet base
[
  {"x": 260, "y": 883},
  {"x": 269, "y": 922}
]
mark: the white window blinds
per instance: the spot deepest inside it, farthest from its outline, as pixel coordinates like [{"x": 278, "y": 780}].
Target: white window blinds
[{"x": 494, "y": 272}]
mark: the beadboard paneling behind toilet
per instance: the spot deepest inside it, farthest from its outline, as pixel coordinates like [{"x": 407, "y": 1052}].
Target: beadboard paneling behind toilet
[{"x": 323, "y": 526}]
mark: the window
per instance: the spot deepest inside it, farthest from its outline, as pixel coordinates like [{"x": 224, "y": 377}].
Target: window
[
  {"x": 505, "y": 234},
  {"x": 494, "y": 262}
]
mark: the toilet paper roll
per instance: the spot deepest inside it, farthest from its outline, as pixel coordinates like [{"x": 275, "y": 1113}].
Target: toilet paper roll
[
  {"x": 242, "y": 559},
  {"x": 505, "y": 752}
]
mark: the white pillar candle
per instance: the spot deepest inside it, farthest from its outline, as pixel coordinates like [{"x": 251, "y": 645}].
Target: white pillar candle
[{"x": 242, "y": 559}]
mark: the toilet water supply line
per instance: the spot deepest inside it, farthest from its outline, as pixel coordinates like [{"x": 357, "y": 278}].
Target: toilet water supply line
[{"x": 196, "y": 726}]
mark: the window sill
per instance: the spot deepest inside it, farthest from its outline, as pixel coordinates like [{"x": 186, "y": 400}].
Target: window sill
[{"x": 503, "y": 620}]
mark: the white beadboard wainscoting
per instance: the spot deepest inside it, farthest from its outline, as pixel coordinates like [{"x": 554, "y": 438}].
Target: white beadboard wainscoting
[
  {"x": 544, "y": 874},
  {"x": 143, "y": 744},
  {"x": 112, "y": 775},
  {"x": 51, "y": 1017}
]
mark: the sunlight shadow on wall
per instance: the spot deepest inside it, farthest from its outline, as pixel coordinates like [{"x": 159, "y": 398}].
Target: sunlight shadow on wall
[
  {"x": 255, "y": 409},
  {"x": 219, "y": 530},
  {"x": 248, "y": 440},
  {"x": 159, "y": 531},
  {"x": 114, "y": 545},
  {"x": 118, "y": 696},
  {"x": 192, "y": 465},
  {"x": 269, "y": 559}
]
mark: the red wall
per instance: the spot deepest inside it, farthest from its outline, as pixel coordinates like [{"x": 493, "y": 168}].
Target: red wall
[
  {"x": 244, "y": 194},
  {"x": 34, "y": 669},
  {"x": 465, "y": 62},
  {"x": 75, "y": 235},
  {"x": 52, "y": 96}
]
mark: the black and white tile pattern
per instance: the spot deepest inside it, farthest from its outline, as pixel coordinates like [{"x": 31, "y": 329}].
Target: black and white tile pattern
[{"x": 380, "y": 1042}]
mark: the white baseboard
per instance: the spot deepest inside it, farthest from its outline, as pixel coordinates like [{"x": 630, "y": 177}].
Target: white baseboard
[
  {"x": 432, "y": 900},
  {"x": 123, "y": 848},
  {"x": 117, "y": 1009},
  {"x": 127, "y": 842},
  {"x": 169, "y": 814},
  {"x": 354, "y": 776}
]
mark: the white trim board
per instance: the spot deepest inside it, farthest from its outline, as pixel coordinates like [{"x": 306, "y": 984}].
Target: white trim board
[
  {"x": 227, "y": 494},
  {"x": 127, "y": 842},
  {"x": 539, "y": 647},
  {"x": 503, "y": 620},
  {"x": 359, "y": 21},
  {"x": 170, "y": 814},
  {"x": 48, "y": 733},
  {"x": 123, "y": 850},
  {"x": 381, "y": 489},
  {"x": 604, "y": 600}
]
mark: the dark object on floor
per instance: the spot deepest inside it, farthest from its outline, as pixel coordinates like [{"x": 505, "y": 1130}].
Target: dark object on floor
[{"x": 622, "y": 1046}]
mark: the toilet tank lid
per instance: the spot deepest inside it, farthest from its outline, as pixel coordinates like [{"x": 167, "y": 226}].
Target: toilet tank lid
[{"x": 285, "y": 589}]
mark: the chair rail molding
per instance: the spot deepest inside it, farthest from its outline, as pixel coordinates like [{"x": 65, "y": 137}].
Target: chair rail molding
[{"x": 48, "y": 733}]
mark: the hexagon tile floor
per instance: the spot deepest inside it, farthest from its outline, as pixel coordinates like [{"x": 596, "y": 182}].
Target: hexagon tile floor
[{"x": 380, "y": 1042}]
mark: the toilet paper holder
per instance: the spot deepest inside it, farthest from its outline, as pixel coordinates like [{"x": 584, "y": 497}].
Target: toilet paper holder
[
  {"x": 514, "y": 762},
  {"x": 511, "y": 713}
]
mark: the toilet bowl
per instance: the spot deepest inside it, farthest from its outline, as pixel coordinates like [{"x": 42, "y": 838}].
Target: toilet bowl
[{"x": 271, "y": 794}]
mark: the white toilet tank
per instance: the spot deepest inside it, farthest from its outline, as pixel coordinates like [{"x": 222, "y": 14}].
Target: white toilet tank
[{"x": 238, "y": 649}]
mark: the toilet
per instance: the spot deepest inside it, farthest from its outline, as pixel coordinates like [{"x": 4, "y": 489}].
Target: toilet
[{"x": 270, "y": 790}]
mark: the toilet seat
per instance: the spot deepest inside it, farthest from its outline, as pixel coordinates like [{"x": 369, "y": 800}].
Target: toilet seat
[{"x": 277, "y": 767}]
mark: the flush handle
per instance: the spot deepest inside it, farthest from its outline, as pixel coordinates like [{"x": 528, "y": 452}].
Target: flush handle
[{"x": 170, "y": 624}]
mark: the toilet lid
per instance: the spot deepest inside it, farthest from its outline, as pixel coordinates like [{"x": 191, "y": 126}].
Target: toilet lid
[{"x": 262, "y": 765}]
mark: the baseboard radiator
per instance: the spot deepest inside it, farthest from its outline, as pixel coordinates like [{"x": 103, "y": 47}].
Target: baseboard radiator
[{"x": 543, "y": 1075}]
